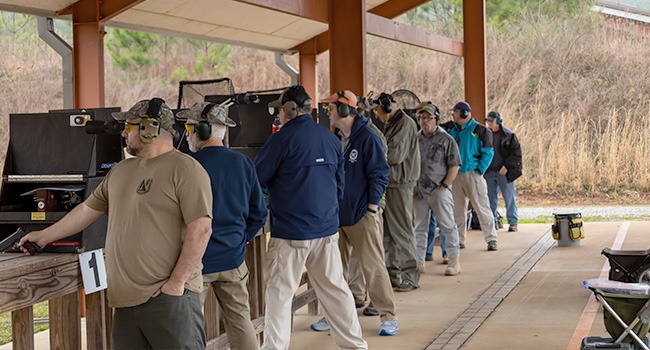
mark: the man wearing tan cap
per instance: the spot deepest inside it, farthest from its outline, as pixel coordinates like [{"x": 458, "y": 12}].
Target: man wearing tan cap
[
  {"x": 440, "y": 161},
  {"x": 366, "y": 178},
  {"x": 302, "y": 167},
  {"x": 159, "y": 216},
  {"x": 238, "y": 213}
]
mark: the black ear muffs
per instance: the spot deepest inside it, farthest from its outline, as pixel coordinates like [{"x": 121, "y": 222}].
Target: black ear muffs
[
  {"x": 150, "y": 126},
  {"x": 342, "y": 108},
  {"x": 203, "y": 128},
  {"x": 385, "y": 101},
  {"x": 464, "y": 114}
]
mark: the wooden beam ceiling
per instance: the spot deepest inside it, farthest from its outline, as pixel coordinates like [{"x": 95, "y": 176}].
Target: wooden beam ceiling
[
  {"x": 316, "y": 10},
  {"x": 105, "y": 9},
  {"x": 389, "y": 9},
  {"x": 392, "y": 30}
]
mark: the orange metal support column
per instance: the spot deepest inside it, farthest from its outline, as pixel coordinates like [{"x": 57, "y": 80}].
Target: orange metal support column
[
  {"x": 88, "y": 53},
  {"x": 474, "y": 37},
  {"x": 309, "y": 75},
  {"x": 347, "y": 27}
]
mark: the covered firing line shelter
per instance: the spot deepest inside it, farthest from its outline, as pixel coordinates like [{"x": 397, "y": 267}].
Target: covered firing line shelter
[{"x": 306, "y": 27}]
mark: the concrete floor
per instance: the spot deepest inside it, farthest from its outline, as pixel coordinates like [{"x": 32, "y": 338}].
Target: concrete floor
[{"x": 542, "y": 311}]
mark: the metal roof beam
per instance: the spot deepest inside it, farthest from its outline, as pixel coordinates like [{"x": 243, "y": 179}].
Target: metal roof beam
[
  {"x": 315, "y": 10},
  {"x": 392, "y": 30}
]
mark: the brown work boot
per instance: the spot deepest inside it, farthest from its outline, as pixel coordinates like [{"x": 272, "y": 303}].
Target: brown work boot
[{"x": 453, "y": 268}]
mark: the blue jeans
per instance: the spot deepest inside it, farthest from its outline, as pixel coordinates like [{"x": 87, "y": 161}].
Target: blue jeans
[
  {"x": 431, "y": 238},
  {"x": 496, "y": 183}
]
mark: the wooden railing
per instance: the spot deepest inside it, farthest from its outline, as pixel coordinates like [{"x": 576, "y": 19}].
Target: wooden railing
[{"x": 56, "y": 278}]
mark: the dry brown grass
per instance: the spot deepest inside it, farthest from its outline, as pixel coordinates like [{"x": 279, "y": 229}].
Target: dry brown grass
[{"x": 576, "y": 93}]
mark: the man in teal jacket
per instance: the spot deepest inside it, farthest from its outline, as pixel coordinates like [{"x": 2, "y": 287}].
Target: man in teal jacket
[{"x": 476, "y": 152}]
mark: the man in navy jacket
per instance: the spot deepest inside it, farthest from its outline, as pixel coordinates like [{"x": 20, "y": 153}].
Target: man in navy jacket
[
  {"x": 366, "y": 178},
  {"x": 238, "y": 213},
  {"x": 302, "y": 167}
]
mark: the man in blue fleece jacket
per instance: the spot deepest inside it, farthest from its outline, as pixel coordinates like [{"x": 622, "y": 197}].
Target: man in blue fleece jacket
[
  {"x": 476, "y": 152},
  {"x": 366, "y": 178},
  {"x": 302, "y": 166},
  {"x": 238, "y": 213}
]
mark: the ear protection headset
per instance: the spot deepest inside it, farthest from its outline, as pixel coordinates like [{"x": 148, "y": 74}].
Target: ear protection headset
[
  {"x": 464, "y": 114},
  {"x": 499, "y": 119},
  {"x": 342, "y": 108},
  {"x": 203, "y": 129},
  {"x": 150, "y": 125},
  {"x": 291, "y": 107},
  {"x": 385, "y": 101}
]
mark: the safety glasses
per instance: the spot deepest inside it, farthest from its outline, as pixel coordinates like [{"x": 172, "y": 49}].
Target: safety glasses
[
  {"x": 128, "y": 127},
  {"x": 190, "y": 128}
]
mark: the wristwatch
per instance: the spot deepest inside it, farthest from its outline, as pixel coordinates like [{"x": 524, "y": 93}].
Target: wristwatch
[{"x": 444, "y": 185}]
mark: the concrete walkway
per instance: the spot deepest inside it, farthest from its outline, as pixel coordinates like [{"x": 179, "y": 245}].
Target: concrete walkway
[
  {"x": 526, "y": 295},
  {"x": 539, "y": 311}
]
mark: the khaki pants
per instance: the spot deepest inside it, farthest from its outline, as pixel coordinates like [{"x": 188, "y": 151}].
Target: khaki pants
[
  {"x": 232, "y": 294},
  {"x": 471, "y": 187},
  {"x": 365, "y": 239},
  {"x": 399, "y": 238},
  {"x": 354, "y": 276},
  {"x": 441, "y": 202},
  {"x": 286, "y": 260}
]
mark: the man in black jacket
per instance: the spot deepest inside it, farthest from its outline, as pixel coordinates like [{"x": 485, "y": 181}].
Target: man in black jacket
[{"x": 504, "y": 169}]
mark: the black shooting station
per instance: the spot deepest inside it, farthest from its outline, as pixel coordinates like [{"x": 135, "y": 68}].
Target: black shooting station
[{"x": 52, "y": 165}]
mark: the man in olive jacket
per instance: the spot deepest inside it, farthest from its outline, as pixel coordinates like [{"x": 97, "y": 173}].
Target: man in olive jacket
[{"x": 404, "y": 161}]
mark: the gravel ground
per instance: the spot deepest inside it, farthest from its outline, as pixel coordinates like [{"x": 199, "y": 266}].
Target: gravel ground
[{"x": 603, "y": 212}]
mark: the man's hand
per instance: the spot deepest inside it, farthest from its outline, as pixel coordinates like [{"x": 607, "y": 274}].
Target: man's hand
[
  {"x": 373, "y": 209},
  {"x": 37, "y": 237},
  {"x": 170, "y": 289},
  {"x": 503, "y": 170}
]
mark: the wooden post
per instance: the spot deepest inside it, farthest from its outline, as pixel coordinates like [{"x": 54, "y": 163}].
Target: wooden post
[
  {"x": 22, "y": 326},
  {"x": 65, "y": 324}
]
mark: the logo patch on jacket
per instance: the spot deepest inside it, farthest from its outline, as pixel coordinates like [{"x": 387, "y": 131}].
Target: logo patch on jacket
[
  {"x": 354, "y": 154},
  {"x": 144, "y": 186}
]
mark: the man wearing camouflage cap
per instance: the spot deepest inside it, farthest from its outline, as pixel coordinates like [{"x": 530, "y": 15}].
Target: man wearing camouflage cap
[
  {"x": 238, "y": 214},
  {"x": 158, "y": 228},
  {"x": 439, "y": 164}
]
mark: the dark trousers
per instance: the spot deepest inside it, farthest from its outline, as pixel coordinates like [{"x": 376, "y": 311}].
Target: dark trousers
[{"x": 163, "y": 322}]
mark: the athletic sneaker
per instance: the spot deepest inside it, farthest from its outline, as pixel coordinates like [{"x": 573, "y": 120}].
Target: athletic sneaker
[
  {"x": 388, "y": 328},
  {"x": 321, "y": 326}
]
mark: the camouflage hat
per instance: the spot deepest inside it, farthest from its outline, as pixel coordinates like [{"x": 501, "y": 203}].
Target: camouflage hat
[
  {"x": 214, "y": 114},
  {"x": 147, "y": 109},
  {"x": 428, "y": 107}
]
